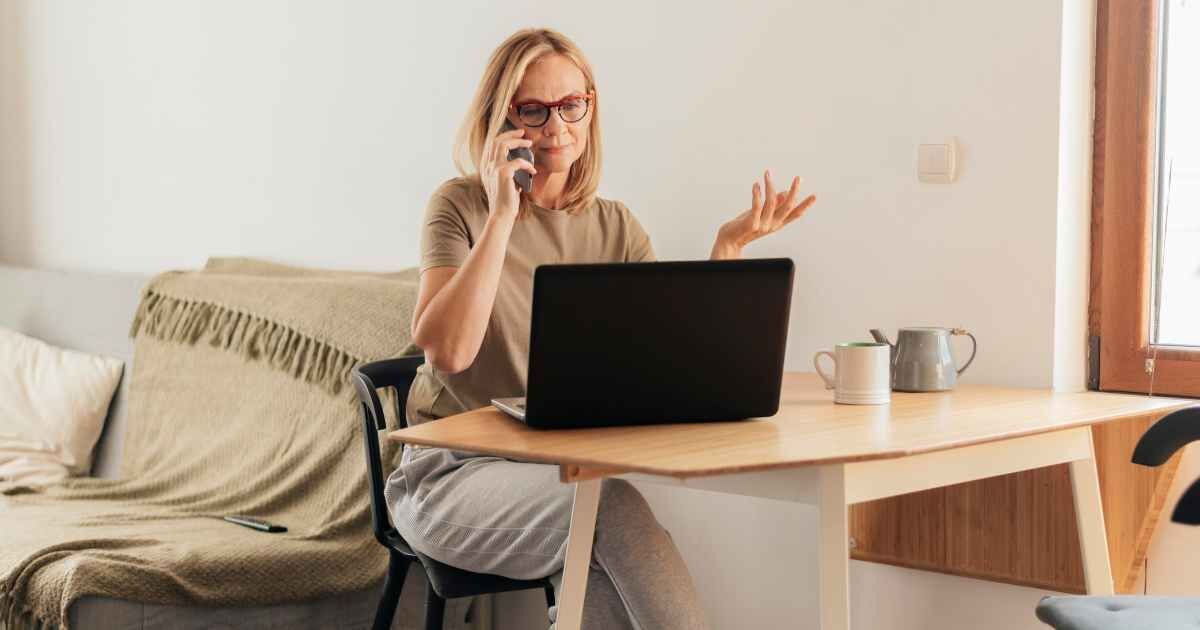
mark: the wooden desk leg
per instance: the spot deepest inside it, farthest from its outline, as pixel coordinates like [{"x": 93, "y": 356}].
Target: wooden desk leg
[
  {"x": 834, "y": 549},
  {"x": 579, "y": 555},
  {"x": 1089, "y": 517}
]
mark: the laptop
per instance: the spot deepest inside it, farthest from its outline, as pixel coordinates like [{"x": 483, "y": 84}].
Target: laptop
[{"x": 644, "y": 343}]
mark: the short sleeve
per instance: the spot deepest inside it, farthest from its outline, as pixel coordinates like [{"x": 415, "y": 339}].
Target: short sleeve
[
  {"x": 637, "y": 243},
  {"x": 445, "y": 241}
]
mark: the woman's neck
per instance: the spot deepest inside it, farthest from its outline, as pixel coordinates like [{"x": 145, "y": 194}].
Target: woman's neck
[{"x": 548, "y": 189}]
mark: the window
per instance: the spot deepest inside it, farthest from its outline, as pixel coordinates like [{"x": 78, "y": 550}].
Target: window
[
  {"x": 1176, "y": 309},
  {"x": 1145, "y": 306}
]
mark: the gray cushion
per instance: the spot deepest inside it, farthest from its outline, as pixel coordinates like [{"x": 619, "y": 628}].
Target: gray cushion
[{"x": 1127, "y": 612}]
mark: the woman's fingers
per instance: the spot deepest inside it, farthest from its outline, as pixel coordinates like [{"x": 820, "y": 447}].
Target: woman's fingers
[
  {"x": 788, "y": 200},
  {"x": 769, "y": 206},
  {"x": 511, "y": 167},
  {"x": 510, "y": 134},
  {"x": 500, "y": 140},
  {"x": 506, "y": 142},
  {"x": 770, "y": 210},
  {"x": 781, "y": 209},
  {"x": 756, "y": 206},
  {"x": 795, "y": 213}
]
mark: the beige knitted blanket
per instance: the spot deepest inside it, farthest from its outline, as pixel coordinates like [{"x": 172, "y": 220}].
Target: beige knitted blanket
[{"x": 239, "y": 404}]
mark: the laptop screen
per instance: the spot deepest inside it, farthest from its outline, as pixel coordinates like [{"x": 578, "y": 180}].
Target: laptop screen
[{"x": 631, "y": 343}]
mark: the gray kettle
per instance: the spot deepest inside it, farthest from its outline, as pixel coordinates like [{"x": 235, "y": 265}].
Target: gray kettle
[{"x": 921, "y": 358}]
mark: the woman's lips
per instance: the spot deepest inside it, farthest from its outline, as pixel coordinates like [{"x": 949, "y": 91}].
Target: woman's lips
[{"x": 554, "y": 150}]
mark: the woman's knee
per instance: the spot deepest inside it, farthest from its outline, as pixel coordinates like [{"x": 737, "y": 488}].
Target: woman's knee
[{"x": 622, "y": 504}]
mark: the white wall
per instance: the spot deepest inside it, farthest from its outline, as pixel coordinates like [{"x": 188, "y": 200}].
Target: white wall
[{"x": 142, "y": 135}]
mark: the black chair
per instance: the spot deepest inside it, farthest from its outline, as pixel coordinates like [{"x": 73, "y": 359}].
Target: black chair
[
  {"x": 1171, "y": 433},
  {"x": 446, "y": 582}
]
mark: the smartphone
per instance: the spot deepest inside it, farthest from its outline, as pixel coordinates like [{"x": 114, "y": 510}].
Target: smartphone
[{"x": 524, "y": 179}]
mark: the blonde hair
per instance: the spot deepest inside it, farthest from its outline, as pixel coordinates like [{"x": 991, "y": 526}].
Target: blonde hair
[{"x": 489, "y": 107}]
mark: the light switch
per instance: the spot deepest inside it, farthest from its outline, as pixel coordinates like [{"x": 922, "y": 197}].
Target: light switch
[{"x": 937, "y": 162}]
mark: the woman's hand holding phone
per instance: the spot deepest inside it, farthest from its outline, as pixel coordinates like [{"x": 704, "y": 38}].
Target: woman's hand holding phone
[{"x": 497, "y": 171}]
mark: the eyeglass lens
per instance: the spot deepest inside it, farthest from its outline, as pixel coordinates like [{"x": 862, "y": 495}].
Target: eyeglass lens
[{"x": 536, "y": 114}]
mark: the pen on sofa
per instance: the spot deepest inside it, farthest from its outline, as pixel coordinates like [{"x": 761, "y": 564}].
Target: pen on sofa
[{"x": 253, "y": 523}]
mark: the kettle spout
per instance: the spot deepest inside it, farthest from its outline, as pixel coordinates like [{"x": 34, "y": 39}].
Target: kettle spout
[{"x": 881, "y": 338}]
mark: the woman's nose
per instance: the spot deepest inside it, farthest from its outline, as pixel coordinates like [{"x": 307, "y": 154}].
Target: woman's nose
[{"x": 554, "y": 125}]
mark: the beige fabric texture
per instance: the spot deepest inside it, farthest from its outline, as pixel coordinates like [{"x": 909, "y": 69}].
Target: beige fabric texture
[
  {"x": 239, "y": 404},
  {"x": 53, "y": 402},
  {"x": 603, "y": 232},
  {"x": 260, "y": 267}
]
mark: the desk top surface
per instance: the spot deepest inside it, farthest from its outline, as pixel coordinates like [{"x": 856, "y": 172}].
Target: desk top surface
[{"x": 809, "y": 429}]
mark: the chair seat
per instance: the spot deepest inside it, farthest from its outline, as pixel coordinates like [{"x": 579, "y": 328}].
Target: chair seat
[
  {"x": 451, "y": 582},
  {"x": 1127, "y": 612}
]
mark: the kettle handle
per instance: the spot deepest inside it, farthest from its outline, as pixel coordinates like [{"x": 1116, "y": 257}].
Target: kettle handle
[{"x": 974, "y": 347}]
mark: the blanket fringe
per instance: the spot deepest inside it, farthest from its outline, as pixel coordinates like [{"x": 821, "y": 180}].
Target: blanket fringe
[
  {"x": 254, "y": 338},
  {"x": 15, "y": 617}
]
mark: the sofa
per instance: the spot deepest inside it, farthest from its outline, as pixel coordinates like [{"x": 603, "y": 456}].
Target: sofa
[{"x": 91, "y": 312}]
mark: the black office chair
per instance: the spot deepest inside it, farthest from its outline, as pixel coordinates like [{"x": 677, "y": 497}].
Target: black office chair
[
  {"x": 1171, "y": 433},
  {"x": 446, "y": 582}
]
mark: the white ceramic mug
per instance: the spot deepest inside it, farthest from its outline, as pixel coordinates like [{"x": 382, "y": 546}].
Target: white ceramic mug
[{"x": 862, "y": 373}]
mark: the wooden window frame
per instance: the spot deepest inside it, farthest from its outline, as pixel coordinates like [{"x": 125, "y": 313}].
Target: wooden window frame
[{"x": 1123, "y": 208}]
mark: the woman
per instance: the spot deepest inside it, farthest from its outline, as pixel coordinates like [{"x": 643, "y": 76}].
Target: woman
[{"x": 480, "y": 242}]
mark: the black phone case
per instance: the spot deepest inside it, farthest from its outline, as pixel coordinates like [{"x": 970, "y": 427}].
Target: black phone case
[{"x": 524, "y": 179}]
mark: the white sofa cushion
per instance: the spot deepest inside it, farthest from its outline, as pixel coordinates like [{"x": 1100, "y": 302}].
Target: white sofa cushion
[{"x": 52, "y": 408}]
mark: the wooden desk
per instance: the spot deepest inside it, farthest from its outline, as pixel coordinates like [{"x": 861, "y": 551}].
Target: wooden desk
[{"x": 822, "y": 454}]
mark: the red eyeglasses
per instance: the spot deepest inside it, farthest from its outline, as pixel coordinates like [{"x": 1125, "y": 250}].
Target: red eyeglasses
[{"x": 571, "y": 109}]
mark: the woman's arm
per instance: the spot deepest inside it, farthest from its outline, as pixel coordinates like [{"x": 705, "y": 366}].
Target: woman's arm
[
  {"x": 722, "y": 250},
  {"x": 455, "y": 303}
]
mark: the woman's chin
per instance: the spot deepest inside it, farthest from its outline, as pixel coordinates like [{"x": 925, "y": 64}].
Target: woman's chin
[{"x": 555, "y": 162}]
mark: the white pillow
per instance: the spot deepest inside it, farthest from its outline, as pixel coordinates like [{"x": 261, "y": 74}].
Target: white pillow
[{"x": 52, "y": 408}]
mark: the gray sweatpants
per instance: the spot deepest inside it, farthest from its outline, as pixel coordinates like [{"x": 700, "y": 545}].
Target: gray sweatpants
[{"x": 494, "y": 515}]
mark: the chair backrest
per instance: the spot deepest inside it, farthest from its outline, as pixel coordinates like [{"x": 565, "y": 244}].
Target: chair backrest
[
  {"x": 1162, "y": 440},
  {"x": 1187, "y": 511},
  {"x": 368, "y": 379},
  {"x": 1171, "y": 433}
]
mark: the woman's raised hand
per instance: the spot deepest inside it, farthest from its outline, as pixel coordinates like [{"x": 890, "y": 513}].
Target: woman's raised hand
[
  {"x": 496, "y": 172},
  {"x": 768, "y": 213}
]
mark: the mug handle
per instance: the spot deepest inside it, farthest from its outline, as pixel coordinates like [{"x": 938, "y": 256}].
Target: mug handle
[
  {"x": 974, "y": 346},
  {"x": 817, "y": 366}
]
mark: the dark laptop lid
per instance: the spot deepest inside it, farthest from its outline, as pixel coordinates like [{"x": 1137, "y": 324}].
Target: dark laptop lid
[{"x": 633, "y": 343}]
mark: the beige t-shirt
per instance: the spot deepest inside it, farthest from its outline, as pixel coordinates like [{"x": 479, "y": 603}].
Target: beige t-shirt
[{"x": 605, "y": 231}]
